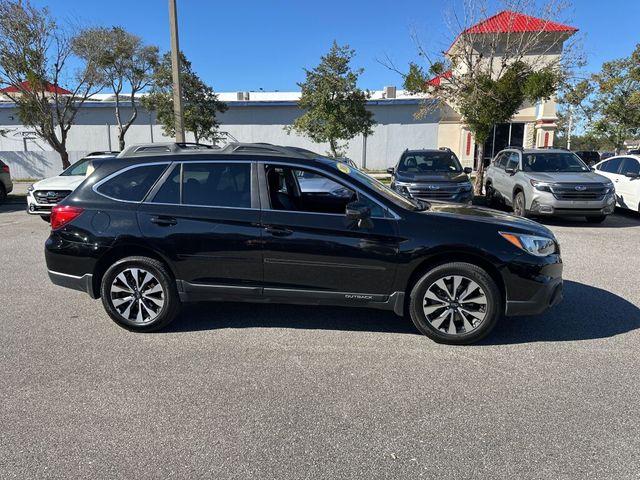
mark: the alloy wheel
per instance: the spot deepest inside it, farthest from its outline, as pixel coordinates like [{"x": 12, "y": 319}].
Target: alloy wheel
[
  {"x": 455, "y": 304},
  {"x": 137, "y": 295}
]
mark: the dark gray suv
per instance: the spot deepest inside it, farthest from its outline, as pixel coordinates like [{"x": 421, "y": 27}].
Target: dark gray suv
[
  {"x": 6, "y": 185},
  {"x": 432, "y": 175}
]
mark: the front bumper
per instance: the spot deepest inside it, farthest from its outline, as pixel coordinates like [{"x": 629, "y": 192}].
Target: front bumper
[
  {"x": 545, "y": 203},
  {"x": 548, "y": 295}
]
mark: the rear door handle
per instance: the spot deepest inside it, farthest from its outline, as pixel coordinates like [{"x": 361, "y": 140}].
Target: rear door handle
[
  {"x": 278, "y": 231},
  {"x": 163, "y": 221}
]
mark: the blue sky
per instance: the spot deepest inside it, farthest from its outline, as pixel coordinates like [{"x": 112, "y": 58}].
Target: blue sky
[{"x": 254, "y": 44}]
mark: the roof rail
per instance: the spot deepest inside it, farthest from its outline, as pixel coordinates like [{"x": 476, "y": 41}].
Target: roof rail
[
  {"x": 163, "y": 148},
  {"x": 513, "y": 147},
  {"x": 444, "y": 149}
]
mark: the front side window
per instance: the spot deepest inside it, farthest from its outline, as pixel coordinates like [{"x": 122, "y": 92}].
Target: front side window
[
  {"x": 131, "y": 184},
  {"x": 553, "y": 162},
  {"x": 513, "y": 162},
  {"x": 426, "y": 162},
  {"x": 301, "y": 190},
  {"x": 216, "y": 184},
  {"x": 611, "y": 166},
  {"x": 501, "y": 161}
]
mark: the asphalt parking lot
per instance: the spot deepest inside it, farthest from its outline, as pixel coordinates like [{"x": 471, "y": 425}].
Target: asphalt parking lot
[{"x": 269, "y": 391}]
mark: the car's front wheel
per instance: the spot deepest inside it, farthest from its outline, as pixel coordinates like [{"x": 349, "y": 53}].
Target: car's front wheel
[
  {"x": 519, "y": 205},
  {"x": 455, "y": 303},
  {"x": 139, "y": 294}
]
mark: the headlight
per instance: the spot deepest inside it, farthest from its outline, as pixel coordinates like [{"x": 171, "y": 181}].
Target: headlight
[
  {"x": 533, "y": 244},
  {"x": 30, "y": 188},
  {"x": 610, "y": 188},
  {"x": 465, "y": 186},
  {"x": 542, "y": 186}
]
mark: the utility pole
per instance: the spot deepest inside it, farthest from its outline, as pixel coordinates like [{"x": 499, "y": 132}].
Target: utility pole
[
  {"x": 569, "y": 128},
  {"x": 175, "y": 72}
]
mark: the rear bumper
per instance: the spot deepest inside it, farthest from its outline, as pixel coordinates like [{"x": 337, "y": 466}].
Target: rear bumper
[
  {"x": 83, "y": 283},
  {"x": 548, "y": 295}
]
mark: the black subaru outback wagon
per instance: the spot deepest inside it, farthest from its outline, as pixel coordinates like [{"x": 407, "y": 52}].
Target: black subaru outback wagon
[{"x": 158, "y": 227}]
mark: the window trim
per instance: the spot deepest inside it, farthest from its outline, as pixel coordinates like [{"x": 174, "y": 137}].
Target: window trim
[
  {"x": 163, "y": 178},
  {"x": 263, "y": 182},
  {"x": 121, "y": 171}
]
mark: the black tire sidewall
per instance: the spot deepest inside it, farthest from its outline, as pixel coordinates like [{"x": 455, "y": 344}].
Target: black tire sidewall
[
  {"x": 524, "y": 204},
  {"x": 475, "y": 273},
  {"x": 172, "y": 300}
]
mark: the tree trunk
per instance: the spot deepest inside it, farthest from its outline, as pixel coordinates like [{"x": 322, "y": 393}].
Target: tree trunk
[
  {"x": 121, "y": 143},
  {"x": 64, "y": 156},
  {"x": 477, "y": 188},
  {"x": 334, "y": 147}
]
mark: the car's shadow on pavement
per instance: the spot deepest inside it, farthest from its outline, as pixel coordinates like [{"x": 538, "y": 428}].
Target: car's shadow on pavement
[{"x": 585, "y": 313}]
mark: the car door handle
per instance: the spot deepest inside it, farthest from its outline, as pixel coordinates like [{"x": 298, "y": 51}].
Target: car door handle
[
  {"x": 278, "y": 231},
  {"x": 164, "y": 221}
]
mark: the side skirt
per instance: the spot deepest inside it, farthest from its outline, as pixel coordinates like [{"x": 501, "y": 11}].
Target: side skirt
[{"x": 195, "y": 292}]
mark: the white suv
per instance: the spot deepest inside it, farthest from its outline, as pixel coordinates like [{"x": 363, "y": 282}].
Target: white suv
[
  {"x": 43, "y": 195},
  {"x": 624, "y": 172}
]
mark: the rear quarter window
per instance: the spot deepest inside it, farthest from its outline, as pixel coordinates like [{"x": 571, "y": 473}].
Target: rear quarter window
[{"x": 132, "y": 184}]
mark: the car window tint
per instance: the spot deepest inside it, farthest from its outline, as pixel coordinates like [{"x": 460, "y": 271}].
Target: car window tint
[
  {"x": 611, "y": 166},
  {"x": 78, "y": 168},
  {"x": 502, "y": 161},
  {"x": 132, "y": 184},
  {"x": 630, "y": 165},
  {"x": 217, "y": 184},
  {"x": 169, "y": 192},
  {"x": 514, "y": 159}
]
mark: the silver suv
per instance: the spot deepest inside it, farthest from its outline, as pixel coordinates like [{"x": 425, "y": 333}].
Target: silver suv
[{"x": 548, "y": 182}]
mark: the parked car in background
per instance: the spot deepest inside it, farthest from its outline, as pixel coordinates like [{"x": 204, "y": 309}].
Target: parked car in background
[
  {"x": 432, "y": 175},
  {"x": 6, "y": 184},
  {"x": 43, "y": 195},
  {"x": 624, "y": 172},
  {"x": 634, "y": 151},
  {"x": 147, "y": 232},
  {"x": 605, "y": 155},
  {"x": 548, "y": 182},
  {"x": 589, "y": 157}
]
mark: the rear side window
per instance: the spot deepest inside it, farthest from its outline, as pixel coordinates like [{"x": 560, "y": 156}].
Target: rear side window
[
  {"x": 132, "y": 184},
  {"x": 169, "y": 192},
  {"x": 611, "y": 166},
  {"x": 630, "y": 165},
  {"x": 217, "y": 184}
]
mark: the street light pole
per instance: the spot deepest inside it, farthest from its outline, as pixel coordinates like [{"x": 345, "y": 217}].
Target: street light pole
[{"x": 175, "y": 72}]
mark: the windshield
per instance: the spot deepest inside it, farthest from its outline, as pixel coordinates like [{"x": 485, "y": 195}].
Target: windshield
[
  {"x": 425, "y": 162},
  {"x": 553, "y": 162},
  {"x": 78, "y": 168},
  {"x": 381, "y": 188}
]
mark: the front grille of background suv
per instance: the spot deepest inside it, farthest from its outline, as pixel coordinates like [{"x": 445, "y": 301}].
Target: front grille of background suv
[
  {"x": 567, "y": 191},
  {"x": 443, "y": 192},
  {"x": 50, "y": 197}
]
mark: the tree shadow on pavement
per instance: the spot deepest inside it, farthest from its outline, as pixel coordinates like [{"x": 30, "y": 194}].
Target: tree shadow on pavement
[{"x": 586, "y": 313}]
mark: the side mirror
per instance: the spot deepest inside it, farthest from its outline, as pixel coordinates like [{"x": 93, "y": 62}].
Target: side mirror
[
  {"x": 593, "y": 169},
  {"x": 359, "y": 212},
  {"x": 510, "y": 171},
  {"x": 391, "y": 170},
  {"x": 468, "y": 170},
  {"x": 631, "y": 175}
]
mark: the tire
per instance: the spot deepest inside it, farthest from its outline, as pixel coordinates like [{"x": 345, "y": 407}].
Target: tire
[
  {"x": 492, "y": 201},
  {"x": 598, "y": 219},
  {"x": 460, "y": 326},
  {"x": 520, "y": 205},
  {"x": 46, "y": 218},
  {"x": 3, "y": 193},
  {"x": 154, "y": 302}
]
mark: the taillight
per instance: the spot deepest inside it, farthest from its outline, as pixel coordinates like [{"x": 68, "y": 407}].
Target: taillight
[
  {"x": 63, "y": 214},
  {"x": 5, "y": 169}
]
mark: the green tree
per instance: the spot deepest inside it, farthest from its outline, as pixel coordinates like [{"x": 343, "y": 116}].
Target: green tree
[
  {"x": 201, "y": 104},
  {"x": 124, "y": 63},
  {"x": 486, "y": 76},
  {"x": 35, "y": 56},
  {"x": 335, "y": 108},
  {"x": 610, "y": 100}
]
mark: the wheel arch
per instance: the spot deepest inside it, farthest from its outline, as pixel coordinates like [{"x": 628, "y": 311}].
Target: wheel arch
[
  {"x": 120, "y": 251},
  {"x": 474, "y": 258}
]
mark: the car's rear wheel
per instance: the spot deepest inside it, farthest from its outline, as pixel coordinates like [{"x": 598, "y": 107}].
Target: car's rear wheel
[
  {"x": 139, "y": 294},
  {"x": 3, "y": 193},
  {"x": 598, "y": 219},
  {"x": 519, "y": 205},
  {"x": 455, "y": 303}
]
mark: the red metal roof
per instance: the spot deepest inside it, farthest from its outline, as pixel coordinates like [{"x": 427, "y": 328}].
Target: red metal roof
[
  {"x": 437, "y": 80},
  {"x": 25, "y": 86},
  {"x": 509, "y": 22}
]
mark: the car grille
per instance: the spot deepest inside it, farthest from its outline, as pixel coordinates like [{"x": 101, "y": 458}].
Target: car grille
[
  {"x": 50, "y": 197},
  {"x": 435, "y": 191},
  {"x": 584, "y": 191}
]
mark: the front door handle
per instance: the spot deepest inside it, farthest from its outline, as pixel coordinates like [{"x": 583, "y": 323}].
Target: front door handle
[
  {"x": 163, "y": 221},
  {"x": 278, "y": 231}
]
